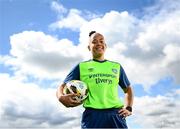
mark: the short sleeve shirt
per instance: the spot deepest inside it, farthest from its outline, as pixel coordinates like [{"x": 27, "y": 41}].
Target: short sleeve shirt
[{"x": 75, "y": 75}]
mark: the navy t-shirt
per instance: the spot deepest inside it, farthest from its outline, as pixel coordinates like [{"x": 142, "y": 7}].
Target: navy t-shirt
[{"x": 75, "y": 75}]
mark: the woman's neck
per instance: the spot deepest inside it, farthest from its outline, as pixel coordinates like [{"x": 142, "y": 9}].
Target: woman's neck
[{"x": 101, "y": 58}]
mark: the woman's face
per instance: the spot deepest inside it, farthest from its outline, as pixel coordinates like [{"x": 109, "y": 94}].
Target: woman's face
[{"x": 97, "y": 45}]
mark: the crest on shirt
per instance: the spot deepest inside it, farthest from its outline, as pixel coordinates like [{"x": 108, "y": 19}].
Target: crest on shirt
[
  {"x": 90, "y": 69},
  {"x": 115, "y": 71}
]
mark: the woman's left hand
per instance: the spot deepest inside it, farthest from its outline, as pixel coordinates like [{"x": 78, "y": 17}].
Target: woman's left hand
[{"x": 124, "y": 112}]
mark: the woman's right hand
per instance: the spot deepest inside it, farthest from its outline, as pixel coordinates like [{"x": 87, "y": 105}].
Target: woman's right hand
[{"x": 69, "y": 100}]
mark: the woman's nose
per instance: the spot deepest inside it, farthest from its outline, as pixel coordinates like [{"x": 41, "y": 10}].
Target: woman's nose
[{"x": 98, "y": 43}]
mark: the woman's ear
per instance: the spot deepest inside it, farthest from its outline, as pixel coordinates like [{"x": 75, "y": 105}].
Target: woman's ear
[
  {"x": 89, "y": 48},
  {"x": 105, "y": 45}
]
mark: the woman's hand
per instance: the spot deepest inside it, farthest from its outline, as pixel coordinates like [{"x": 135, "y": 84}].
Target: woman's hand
[
  {"x": 69, "y": 100},
  {"x": 124, "y": 112}
]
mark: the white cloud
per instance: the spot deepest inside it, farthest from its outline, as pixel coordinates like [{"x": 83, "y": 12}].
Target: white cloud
[
  {"x": 41, "y": 56},
  {"x": 157, "y": 112},
  {"x": 74, "y": 21},
  {"x": 172, "y": 53},
  {"x": 114, "y": 25},
  {"x": 28, "y": 105},
  {"x": 58, "y": 7}
]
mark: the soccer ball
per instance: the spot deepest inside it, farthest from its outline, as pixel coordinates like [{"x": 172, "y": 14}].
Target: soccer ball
[{"x": 77, "y": 87}]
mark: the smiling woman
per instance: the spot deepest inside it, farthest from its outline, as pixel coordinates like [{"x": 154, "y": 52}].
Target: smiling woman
[
  {"x": 97, "y": 45},
  {"x": 102, "y": 78}
]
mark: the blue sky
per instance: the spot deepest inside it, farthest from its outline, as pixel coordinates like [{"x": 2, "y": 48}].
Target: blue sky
[
  {"x": 36, "y": 15},
  {"x": 41, "y": 41}
]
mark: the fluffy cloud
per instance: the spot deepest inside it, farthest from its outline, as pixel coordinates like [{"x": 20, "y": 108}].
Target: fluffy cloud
[
  {"x": 116, "y": 26},
  {"x": 172, "y": 60},
  {"x": 158, "y": 112},
  {"x": 40, "y": 55},
  {"x": 157, "y": 42},
  {"x": 59, "y": 8},
  {"x": 28, "y": 105},
  {"x": 73, "y": 21}
]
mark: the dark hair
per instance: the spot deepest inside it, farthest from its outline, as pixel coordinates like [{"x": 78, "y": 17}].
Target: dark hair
[{"x": 92, "y": 32}]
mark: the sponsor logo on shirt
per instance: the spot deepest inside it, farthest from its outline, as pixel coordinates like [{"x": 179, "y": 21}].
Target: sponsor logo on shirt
[{"x": 115, "y": 71}]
